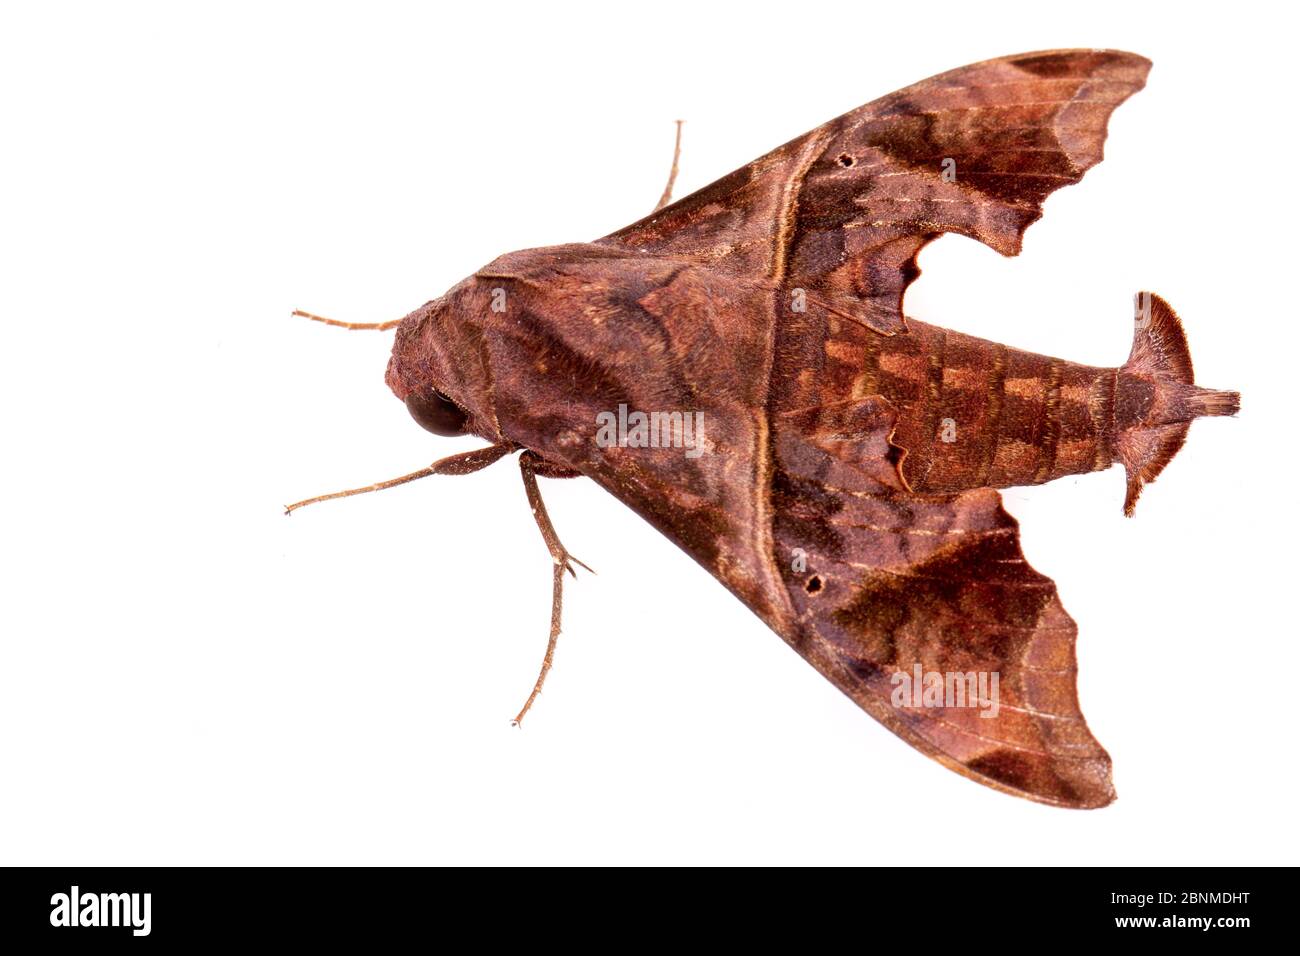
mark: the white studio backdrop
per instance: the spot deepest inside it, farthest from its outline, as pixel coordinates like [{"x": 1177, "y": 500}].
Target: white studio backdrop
[{"x": 190, "y": 677}]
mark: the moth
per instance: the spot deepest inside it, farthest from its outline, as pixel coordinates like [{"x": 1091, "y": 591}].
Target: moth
[{"x": 840, "y": 471}]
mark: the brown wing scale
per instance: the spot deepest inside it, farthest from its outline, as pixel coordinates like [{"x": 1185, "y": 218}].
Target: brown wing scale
[
  {"x": 843, "y": 210},
  {"x": 892, "y": 583}
]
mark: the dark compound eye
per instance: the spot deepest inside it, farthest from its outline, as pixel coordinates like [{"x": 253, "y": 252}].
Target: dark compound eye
[{"x": 436, "y": 413}]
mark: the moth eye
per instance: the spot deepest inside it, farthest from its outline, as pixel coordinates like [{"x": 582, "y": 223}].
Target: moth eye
[{"x": 435, "y": 412}]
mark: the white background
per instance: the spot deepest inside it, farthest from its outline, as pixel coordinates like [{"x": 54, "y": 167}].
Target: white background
[{"x": 188, "y": 676}]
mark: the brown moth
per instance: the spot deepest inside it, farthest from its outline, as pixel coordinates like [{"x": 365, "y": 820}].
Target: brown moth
[{"x": 736, "y": 368}]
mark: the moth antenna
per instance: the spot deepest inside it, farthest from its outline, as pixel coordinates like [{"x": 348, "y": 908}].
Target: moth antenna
[
  {"x": 377, "y": 326},
  {"x": 667, "y": 197},
  {"x": 461, "y": 464},
  {"x": 564, "y": 561}
]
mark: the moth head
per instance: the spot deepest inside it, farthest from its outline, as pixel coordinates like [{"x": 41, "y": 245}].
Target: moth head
[{"x": 436, "y": 370}]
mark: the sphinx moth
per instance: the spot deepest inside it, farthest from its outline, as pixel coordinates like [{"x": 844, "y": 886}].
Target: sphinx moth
[{"x": 840, "y": 476}]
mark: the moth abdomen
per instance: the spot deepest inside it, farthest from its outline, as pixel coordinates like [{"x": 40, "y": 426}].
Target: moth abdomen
[
  {"x": 977, "y": 414},
  {"x": 973, "y": 413}
]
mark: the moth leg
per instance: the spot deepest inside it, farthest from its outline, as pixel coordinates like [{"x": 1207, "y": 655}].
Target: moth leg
[
  {"x": 530, "y": 466},
  {"x": 667, "y": 197},
  {"x": 463, "y": 463},
  {"x": 545, "y": 469}
]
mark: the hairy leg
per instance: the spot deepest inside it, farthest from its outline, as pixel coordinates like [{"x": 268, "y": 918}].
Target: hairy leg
[
  {"x": 530, "y": 466},
  {"x": 464, "y": 463}
]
